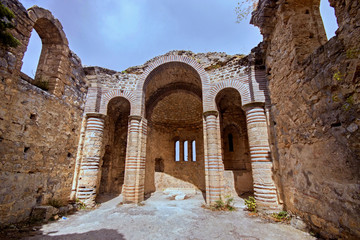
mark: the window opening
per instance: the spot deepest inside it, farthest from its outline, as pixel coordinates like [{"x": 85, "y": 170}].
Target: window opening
[
  {"x": 186, "y": 152},
  {"x": 193, "y": 151},
  {"x": 329, "y": 19},
  {"x": 177, "y": 151},
  {"x": 231, "y": 143},
  {"x": 32, "y": 55}
]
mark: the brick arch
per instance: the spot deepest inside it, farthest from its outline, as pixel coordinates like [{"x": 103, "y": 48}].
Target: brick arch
[
  {"x": 168, "y": 59},
  {"x": 241, "y": 87},
  {"x": 105, "y": 99},
  {"x": 53, "y": 65}
]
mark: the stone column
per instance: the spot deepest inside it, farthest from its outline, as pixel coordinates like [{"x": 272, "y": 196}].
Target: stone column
[
  {"x": 78, "y": 159},
  {"x": 89, "y": 176},
  {"x": 264, "y": 186},
  {"x": 213, "y": 164},
  {"x": 133, "y": 188}
]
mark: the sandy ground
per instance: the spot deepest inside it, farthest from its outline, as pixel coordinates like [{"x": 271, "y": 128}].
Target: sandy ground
[{"x": 163, "y": 218}]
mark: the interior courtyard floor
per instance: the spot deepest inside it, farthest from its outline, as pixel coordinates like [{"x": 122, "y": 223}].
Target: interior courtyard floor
[{"x": 162, "y": 217}]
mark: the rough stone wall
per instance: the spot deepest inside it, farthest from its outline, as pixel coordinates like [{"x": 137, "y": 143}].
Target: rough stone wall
[
  {"x": 39, "y": 130},
  {"x": 314, "y": 89}
]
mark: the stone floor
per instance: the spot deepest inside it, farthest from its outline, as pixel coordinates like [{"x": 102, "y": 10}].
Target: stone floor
[{"x": 163, "y": 218}]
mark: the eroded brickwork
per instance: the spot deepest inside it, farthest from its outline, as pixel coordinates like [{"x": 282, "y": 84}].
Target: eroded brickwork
[
  {"x": 314, "y": 90},
  {"x": 39, "y": 130}
]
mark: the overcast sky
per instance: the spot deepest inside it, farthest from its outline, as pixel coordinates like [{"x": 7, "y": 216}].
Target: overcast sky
[{"x": 118, "y": 34}]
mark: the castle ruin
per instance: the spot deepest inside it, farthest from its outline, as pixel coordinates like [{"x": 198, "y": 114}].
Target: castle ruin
[{"x": 282, "y": 122}]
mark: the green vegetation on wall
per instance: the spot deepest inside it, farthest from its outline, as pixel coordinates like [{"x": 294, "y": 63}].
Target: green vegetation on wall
[{"x": 6, "y": 38}]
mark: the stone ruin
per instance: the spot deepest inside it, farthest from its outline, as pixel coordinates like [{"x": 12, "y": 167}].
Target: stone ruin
[{"x": 281, "y": 123}]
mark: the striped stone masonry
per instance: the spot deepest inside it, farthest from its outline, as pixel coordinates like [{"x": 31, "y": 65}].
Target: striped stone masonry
[
  {"x": 89, "y": 175},
  {"x": 264, "y": 186},
  {"x": 78, "y": 159},
  {"x": 251, "y": 85},
  {"x": 241, "y": 87},
  {"x": 213, "y": 163},
  {"x": 133, "y": 188},
  {"x": 139, "y": 91},
  {"x": 110, "y": 94}
]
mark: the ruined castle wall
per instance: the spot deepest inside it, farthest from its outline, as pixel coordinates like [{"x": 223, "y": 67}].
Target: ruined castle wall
[
  {"x": 39, "y": 130},
  {"x": 314, "y": 89}
]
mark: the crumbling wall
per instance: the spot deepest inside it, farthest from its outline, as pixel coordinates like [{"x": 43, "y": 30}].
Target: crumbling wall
[
  {"x": 314, "y": 89},
  {"x": 39, "y": 129}
]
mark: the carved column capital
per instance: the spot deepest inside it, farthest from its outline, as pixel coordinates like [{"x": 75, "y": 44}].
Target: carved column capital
[
  {"x": 252, "y": 105},
  {"x": 95, "y": 115},
  {"x": 209, "y": 113},
  {"x": 135, "y": 117}
]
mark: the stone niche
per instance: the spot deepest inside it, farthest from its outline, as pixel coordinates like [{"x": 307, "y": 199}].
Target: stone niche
[
  {"x": 174, "y": 113},
  {"x": 115, "y": 141}
]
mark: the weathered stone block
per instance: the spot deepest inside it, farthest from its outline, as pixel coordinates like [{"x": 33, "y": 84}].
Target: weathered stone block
[{"x": 43, "y": 213}]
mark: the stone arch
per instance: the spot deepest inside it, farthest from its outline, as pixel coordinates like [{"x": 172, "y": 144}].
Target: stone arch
[
  {"x": 160, "y": 61},
  {"x": 241, "y": 87},
  {"x": 55, "y": 33},
  {"x": 105, "y": 99},
  {"x": 53, "y": 65}
]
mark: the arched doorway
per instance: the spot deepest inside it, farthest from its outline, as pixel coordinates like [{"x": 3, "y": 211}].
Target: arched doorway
[
  {"x": 115, "y": 142},
  {"x": 173, "y": 108},
  {"x": 234, "y": 143}
]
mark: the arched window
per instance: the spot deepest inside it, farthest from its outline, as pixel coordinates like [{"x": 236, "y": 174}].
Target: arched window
[
  {"x": 50, "y": 69},
  {"x": 186, "y": 151},
  {"x": 193, "y": 151},
  {"x": 32, "y": 55},
  {"x": 177, "y": 151},
  {"x": 231, "y": 143}
]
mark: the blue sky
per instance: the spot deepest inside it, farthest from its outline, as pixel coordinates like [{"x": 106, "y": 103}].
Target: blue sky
[{"x": 118, "y": 34}]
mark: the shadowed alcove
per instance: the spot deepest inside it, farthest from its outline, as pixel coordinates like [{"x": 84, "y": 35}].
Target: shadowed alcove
[
  {"x": 235, "y": 145},
  {"x": 115, "y": 140}
]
